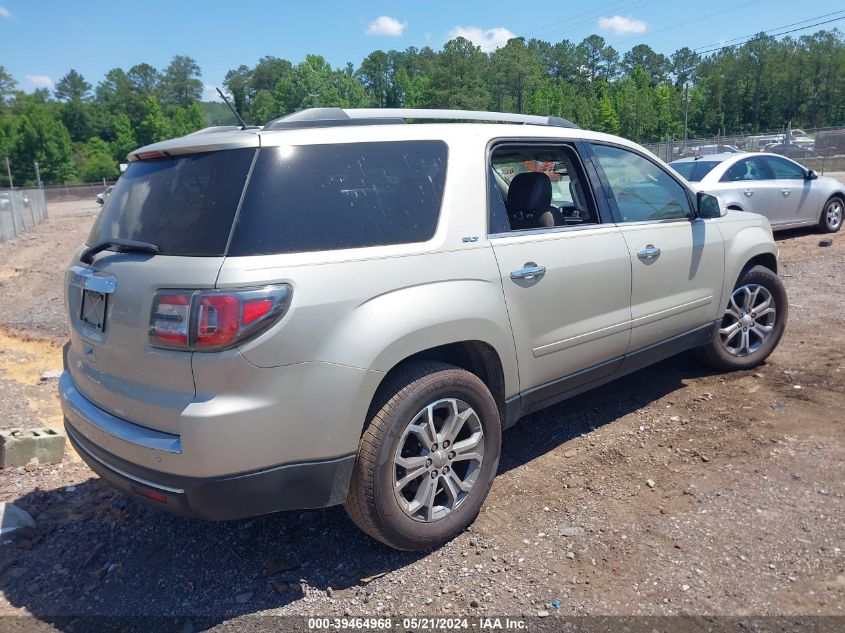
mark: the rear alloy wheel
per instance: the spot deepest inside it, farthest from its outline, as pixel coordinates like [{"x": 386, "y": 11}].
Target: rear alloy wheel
[
  {"x": 752, "y": 324},
  {"x": 832, "y": 215},
  {"x": 438, "y": 459},
  {"x": 427, "y": 458}
]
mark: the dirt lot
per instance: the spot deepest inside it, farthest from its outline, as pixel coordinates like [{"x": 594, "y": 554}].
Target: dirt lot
[{"x": 746, "y": 514}]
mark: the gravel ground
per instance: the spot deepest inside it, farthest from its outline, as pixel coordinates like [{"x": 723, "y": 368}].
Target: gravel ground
[{"x": 670, "y": 491}]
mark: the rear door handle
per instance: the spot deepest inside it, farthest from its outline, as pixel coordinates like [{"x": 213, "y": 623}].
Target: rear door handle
[
  {"x": 529, "y": 271},
  {"x": 748, "y": 193},
  {"x": 785, "y": 192},
  {"x": 649, "y": 253}
]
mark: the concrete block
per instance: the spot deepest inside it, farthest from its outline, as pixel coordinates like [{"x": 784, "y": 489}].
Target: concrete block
[{"x": 19, "y": 446}]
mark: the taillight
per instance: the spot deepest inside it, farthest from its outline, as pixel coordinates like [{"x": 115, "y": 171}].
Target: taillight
[
  {"x": 170, "y": 319},
  {"x": 213, "y": 320}
]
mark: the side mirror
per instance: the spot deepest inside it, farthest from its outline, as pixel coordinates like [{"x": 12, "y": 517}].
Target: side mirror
[
  {"x": 100, "y": 201},
  {"x": 710, "y": 206},
  {"x": 811, "y": 174}
]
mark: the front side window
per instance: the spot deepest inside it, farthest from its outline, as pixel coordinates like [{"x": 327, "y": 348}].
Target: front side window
[
  {"x": 642, "y": 190},
  {"x": 784, "y": 169},
  {"x": 752, "y": 168},
  {"x": 345, "y": 195}
]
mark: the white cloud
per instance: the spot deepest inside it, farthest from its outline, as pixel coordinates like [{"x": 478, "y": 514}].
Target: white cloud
[
  {"x": 39, "y": 81},
  {"x": 385, "y": 25},
  {"x": 4, "y": 12},
  {"x": 621, "y": 25},
  {"x": 489, "y": 40}
]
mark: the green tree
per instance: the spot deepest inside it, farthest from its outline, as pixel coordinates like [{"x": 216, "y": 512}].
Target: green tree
[
  {"x": 606, "y": 118},
  {"x": 72, "y": 87},
  {"x": 186, "y": 120},
  {"x": 154, "y": 126},
  {"x": 517, "y": 72},
  {"x": 181, "y": 83},
  {"x": 42, "y": 137},
  {"x": 95, "y": 161},
  {"x": 237, "y": 82},
  {"x": 7, "y": 86},
  {"x": 374, "y": 75},
  {"x": 457, "y": 77},
  {"x": 145, "y": 79},
  {"x": 124, "y": 138}
]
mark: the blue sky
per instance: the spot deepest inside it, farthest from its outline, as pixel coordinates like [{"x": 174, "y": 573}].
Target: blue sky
[{"x": 40, "y": 40}]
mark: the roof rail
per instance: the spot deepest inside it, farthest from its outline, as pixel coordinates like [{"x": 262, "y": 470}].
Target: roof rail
[
  {"x": 325, "y": 117},
  {"x": 457, "y": 115},
  {"x": 330, "y": 117}
]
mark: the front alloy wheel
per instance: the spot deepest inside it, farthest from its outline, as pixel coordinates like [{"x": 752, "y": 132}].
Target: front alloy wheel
[
  {"x": 749, "y": 320},
  {"x": 752, "y": 323},
  {"x": 832, "y": 215}
]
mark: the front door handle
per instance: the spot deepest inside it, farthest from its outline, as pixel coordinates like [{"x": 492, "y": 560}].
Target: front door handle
[
  {"x": 529, "y": 271},
  {"x": 649, "y": 253},
  {"x": 785, "y": 192},
  {"x": 748, "y": 193}
]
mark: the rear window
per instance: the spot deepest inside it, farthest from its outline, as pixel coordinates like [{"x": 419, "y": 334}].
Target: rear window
[
  {"x": 326, "y": 197},
  {"x": 694, "y": 170},
  {"x": 184, "y": 205}
]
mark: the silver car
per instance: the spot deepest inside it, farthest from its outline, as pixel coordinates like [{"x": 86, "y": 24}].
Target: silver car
[
  {"x": 341, "y": 308},
  {"x": 787, "y": 193}
]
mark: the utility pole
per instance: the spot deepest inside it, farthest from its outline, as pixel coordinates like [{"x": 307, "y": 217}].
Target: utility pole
[
  {"x": 686, "y": 112},
  {"x": 12, "y": 198},
  {"x": 9, "y": 171},
  {"x": 788, "y": 138}
]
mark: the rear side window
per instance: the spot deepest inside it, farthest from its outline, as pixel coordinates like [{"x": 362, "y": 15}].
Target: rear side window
[
  {"x": 327, "y": 197},
  {"x": 746, "y": 169},
  {"x": 694, "y": 171},
  {"x": 184, "y": 205}
]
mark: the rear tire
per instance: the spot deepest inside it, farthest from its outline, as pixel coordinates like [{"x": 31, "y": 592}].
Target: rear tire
[
  {"x": 752, "y": 325},
  {"x": 832, "y": 215},
  {"x": 425, "y": 411}
]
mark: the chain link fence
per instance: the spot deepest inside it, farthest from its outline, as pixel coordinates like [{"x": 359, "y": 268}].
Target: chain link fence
[
  {"x": 20, "y": 211},
  {"x": 63, "y": 193},
  {"x": 820, "y": 149}
]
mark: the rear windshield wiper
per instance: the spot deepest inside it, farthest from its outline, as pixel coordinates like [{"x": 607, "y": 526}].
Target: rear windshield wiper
[{"x": 120, "y": 245}]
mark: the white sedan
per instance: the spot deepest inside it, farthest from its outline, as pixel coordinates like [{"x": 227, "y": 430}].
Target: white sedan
[{"x": 787, "y": 193}]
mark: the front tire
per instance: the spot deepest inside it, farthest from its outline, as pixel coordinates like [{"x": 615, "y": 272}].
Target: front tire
[
  {"x": 752, "y": 324},
  {"x": 427, "y": 459},
  {"x": 832, "y": 215}
]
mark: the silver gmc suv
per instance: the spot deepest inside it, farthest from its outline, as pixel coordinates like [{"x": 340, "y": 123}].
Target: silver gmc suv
[{"x": 344, "y": 307}]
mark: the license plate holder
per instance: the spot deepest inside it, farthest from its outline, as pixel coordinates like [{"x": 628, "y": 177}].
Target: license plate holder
[{"x": 93, "y": 309}]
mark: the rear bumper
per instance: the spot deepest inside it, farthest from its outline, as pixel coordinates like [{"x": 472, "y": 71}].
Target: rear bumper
[{"x": 285, "y": 487}]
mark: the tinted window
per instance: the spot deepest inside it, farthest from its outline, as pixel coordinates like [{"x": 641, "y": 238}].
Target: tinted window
[
  {"x": 642, "y": 190},
  {"x": 325, "y": 197},
  {"x": 784, "y": 169},
  {"x": 185, "y": 206},
  {"x": 746, "y": 169},
  {"x": 694, "y": 170}
]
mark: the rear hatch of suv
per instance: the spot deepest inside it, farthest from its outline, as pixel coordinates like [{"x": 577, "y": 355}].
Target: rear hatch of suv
[
  {"x": 184, "y": 207},
  {"x": 139, "y": 308}
]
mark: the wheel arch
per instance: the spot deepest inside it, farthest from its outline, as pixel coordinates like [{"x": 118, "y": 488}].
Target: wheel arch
[
  {"x": 751, "y": 245},
  {"x": 475, "y": 356}
]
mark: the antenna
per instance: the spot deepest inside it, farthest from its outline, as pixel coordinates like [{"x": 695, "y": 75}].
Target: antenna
[{"x": 231, "y": 107}]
